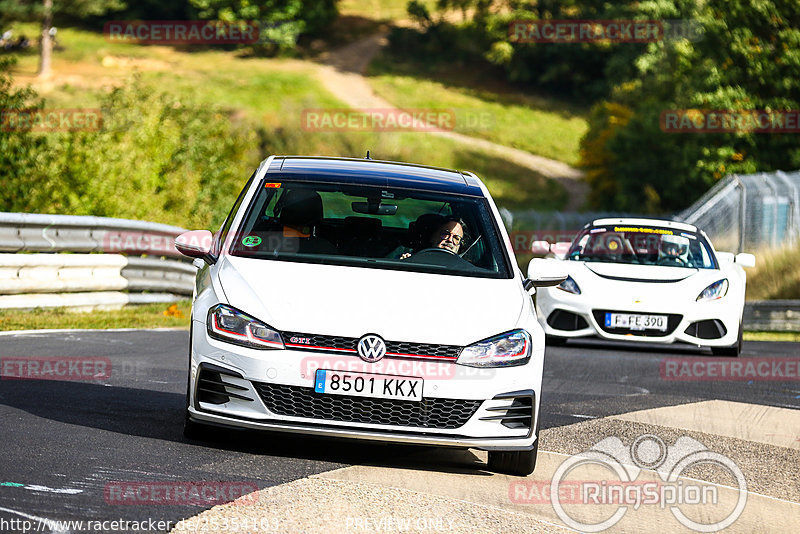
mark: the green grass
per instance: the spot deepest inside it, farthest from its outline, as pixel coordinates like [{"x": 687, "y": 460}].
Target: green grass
[
  {"x": 266, "y": 93},
  {"x": 138, "y": 316},
  {"x": 771, "y": 336},
  {"x": 153, "y": 316},
  {"x": 380, "y": 9},
  {"x": 776, "y": 275},
  {"x": 490, "y": 110}
]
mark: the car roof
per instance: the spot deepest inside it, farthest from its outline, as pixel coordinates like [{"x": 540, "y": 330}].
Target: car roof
[
  {"x": 659, "y": 223},
  {"x": 375, "y": 173}
]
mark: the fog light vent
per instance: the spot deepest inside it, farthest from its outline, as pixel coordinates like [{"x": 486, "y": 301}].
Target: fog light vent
[
  {"x": 708, "y": 329},
  {"x": 564, "y": 320},
  {"x": 212, "y": 389},
  {"x": 516, "y": 412}
]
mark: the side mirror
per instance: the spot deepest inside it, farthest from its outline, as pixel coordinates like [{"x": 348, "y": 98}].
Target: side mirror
[
  {"x": 725, "y": 257},
  {"x": 196, "y": 244},
  {"x": 560, "y": 249},
  {"x": 540, "y": 248},
  {"x": 544, "y": 272},
  {"x": 745, "y": 260}
]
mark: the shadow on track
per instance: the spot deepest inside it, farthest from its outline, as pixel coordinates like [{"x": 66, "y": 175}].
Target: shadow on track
[{"x": 159, "y": 415}]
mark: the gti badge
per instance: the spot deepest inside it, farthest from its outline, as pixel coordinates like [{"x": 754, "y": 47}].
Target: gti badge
[{"x": 371, "y": 348}]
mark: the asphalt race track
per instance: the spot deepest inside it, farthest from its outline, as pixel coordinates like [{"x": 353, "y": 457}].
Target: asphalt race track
[{"x": 65, "y": 443}]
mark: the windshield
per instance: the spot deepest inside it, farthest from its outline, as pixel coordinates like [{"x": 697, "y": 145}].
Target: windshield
[
  {"x": 642, "y": 245},
  {"x": 375, "y": 227}
]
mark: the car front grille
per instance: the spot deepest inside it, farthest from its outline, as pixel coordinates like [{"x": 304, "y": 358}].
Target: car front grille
[
  {"x": 296, "y": 401},
  {"x": 323, "y": 343}
]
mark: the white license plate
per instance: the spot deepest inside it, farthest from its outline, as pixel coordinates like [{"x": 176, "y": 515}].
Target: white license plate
[
  {"x": 368, "y": 385},
  {"x": 635, "y": 321}
]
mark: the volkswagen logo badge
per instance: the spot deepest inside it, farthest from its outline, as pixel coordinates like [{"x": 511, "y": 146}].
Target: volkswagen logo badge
[{"x": 371, "y": 348}]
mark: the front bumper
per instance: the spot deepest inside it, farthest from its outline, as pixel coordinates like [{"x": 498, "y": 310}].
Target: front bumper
[
  {"x": 248, "y": 373},
  {"x": 709, "y": 324}
]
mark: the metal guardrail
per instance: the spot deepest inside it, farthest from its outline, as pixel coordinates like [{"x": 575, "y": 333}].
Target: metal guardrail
[
  {"x": 33, "y": 232},
  {"x": 772, "y": 315},
  {"x": 34, "y": 274},
  {"x": 750, "y": 211},
  {"x": 118, "y": 277}
]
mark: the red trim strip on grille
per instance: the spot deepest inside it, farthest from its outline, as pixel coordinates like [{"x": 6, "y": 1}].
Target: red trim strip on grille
[
  {"x": 316, "y": 347},
  {"x": 427, "y": 356}
]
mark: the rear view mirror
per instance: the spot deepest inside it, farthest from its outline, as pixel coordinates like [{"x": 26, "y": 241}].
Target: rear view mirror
[{"x": 375, "y": 208}]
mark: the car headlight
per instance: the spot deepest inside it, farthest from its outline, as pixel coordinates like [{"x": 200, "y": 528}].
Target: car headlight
[
  {"x": 505, "y": 350},
  {"x": 570, "y": 286},
  {"x": 715, "y": 291},
  {"x": 229, "y": 324}
]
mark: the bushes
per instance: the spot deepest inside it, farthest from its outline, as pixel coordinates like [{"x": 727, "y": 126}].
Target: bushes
[
  {"x": 18, "y": 149},
  {"x": 284, "y": 20},
  {"x": 156, "y": 158}
]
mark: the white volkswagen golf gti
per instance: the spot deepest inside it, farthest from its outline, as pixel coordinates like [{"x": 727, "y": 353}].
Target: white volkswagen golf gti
[{"x": 371, "y": 300}]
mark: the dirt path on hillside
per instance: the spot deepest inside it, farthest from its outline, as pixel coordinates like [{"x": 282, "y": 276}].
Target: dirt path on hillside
[{"x": 342, "y": 73}]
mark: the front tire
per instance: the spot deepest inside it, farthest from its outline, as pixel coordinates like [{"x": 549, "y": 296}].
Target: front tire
[
  {"x": 191, "y": 429},
  {"x": 517, "y": 463},
  {"x": 735, "y": 349}
]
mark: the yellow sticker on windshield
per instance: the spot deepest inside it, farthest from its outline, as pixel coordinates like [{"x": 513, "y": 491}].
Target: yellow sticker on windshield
[
  {"x": 272, "y": 185},
  {"x": 642, "y": 230}
]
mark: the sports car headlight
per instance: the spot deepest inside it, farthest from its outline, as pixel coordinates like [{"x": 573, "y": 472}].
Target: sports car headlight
[
  {"x": 229, "y": 324},
  {"x": 505, "y": 350},
  {"x": 570, "y": 286},
  {"x": 715, "y": 291}
]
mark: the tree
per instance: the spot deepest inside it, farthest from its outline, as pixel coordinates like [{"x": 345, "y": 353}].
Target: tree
[
  {"x": 282, "y": 21},
  {"x": 45, "y": 10},
  {"x": 745, "y": 60}
]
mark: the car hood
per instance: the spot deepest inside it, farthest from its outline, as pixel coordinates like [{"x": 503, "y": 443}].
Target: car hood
[
  {"x": 652, "y": 273},
  {"x": 353, "y": 301}
]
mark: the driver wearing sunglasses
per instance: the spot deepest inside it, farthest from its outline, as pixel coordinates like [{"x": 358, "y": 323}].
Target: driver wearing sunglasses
[{"x": 449, "y": 236}]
